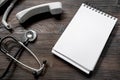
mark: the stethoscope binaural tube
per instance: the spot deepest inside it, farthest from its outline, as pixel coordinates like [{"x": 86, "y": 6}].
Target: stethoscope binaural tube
[
  {"x": 30, "y": 36},
  {"x": 17, "y": 55}
]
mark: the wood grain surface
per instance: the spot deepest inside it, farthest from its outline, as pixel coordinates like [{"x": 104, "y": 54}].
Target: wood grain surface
[{"x": 49, "y": 28}]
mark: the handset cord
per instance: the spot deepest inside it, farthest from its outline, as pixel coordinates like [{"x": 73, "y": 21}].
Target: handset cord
[{"x": 5, "y": 16}]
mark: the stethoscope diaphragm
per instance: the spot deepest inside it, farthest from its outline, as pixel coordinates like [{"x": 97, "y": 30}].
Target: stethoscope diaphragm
[{"x": 30, "y": 35}]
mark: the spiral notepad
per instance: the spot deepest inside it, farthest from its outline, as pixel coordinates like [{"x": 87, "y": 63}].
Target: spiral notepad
[{"x": 83, "y": 40}]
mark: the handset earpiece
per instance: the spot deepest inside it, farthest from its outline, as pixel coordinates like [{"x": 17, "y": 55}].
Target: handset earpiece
[{"x": 54, "y": 8}]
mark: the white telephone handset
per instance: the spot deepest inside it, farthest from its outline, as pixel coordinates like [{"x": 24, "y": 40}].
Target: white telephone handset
[{"x": 54, "y": 8}]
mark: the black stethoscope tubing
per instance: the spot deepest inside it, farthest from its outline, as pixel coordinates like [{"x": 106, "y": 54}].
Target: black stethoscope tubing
[
  {"x": 18, "y": 54},
  {"x": 29, "y": 37}
]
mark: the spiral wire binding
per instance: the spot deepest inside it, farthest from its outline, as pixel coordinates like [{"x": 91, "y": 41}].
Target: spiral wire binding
[{"x": 99, "y": 11}]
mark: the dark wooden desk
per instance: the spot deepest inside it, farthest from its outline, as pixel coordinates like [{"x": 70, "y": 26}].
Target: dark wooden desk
[{"x": 49, "y": 30}]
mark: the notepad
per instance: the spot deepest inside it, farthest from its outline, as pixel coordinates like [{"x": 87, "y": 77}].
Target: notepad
[{"x": 83, "y": 40}]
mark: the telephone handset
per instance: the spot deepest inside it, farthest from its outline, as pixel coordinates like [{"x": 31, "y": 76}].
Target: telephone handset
[{"x": 54, "y": 8}]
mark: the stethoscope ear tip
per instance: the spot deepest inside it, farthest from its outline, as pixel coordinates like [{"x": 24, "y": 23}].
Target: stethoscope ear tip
[
  {"x": 35, "y": 74},
  {"x": 45, "y": 62},
  {"x": 11, "y": 30},
  {"x": 42, "y": 72},
  {"x": 44, "y": 68}
]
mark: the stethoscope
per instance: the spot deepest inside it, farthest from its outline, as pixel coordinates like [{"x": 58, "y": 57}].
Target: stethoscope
[{"x": 29, "y": 36}]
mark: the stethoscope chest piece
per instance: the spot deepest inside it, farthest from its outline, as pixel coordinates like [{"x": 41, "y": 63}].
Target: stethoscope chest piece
[{"x": 31, "y": 35}]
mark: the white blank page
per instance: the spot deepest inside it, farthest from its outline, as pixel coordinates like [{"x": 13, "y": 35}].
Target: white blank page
[{"x": 84, "y": 38}]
